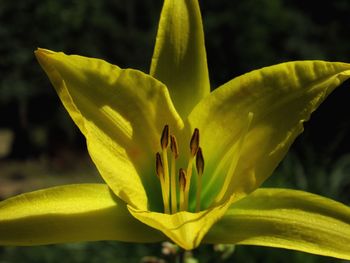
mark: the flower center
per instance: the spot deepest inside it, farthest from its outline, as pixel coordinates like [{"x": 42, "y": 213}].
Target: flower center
[{"x": 176, "y": 186}]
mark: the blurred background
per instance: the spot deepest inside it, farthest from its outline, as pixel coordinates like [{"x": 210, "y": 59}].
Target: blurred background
[{"x": 40, "y": 146}]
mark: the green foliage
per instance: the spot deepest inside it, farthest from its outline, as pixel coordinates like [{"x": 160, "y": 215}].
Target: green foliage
[
  {"x": 115, "y": 30},
  {"x": 80, "y": 252},
  {"x": 244, "y": 35}
]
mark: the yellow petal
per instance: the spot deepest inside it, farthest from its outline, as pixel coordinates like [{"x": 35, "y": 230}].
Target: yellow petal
[
  {"x": 184, "y": 228},
  {"x": 71, "y": 213},
  {"x": 281, "y": 98},
  {"x": 286, "y": 219},
  {"x": 179, "y": 58},
  {"x": 120, "y": 112}
]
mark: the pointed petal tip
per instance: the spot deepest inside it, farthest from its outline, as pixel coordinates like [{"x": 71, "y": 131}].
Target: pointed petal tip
[
  {"x": 42, "y": 52},
  {"x": 181, "y": 227},
  {"x": 179, "y": 57},
  {"x": 186, "y": 229},
  {"x": 42, "y": 55}
]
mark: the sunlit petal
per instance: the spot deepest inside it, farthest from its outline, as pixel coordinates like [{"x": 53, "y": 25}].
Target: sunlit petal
[
  {"x": 179, "y": 58},
  {"x": 120, "y": 112},
  {"x": 287, "y": 219},
  {"x": 281, "y": 98},
  {"x": 71, "y": 213},
  {"x": 184, "y": 228}
]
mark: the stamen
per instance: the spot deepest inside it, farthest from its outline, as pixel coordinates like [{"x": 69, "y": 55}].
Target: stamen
[
  {"x": 164, "y": 142},
  {"x": 160, "y": 174},
  {"x": 164, "y": 139},
  {"x": 174, "y": 156},
  {"x": 168, "y": 179},
  {"x": 200, "y": 169},
  {"x": 200, "y": 161},
  {"x": 182, "y": 185},
  {"x": 194, "y": 145},
  {"x": 173, "y": 146}
]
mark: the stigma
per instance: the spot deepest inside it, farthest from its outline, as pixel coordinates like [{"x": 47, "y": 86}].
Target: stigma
[{"x": 175, "y": 184}]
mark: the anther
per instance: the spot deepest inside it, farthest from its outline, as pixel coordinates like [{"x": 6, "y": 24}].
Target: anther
[
  {"x": 182, "y": 179},
  {"x": 159, "y": 166},
  {"x": 194, "y": 144},
  {"x": 200, "y": 169},
  {"x": 182, "y": 185},
  {"x": 173, "y": 146},
  {"x": 199, "y": 161},
  {"x": 164, "y": 140}
]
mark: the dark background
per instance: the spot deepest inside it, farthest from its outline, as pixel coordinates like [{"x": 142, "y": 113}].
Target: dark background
[{"x": 240, "y": 36}]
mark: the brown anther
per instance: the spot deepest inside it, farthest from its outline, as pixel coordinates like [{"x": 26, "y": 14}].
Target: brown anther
[
  {"x": 194, "y": 144},
  {"x": 199, "y": 161},
  {"x": 182, "y": 179},
  {"x": 159, "y": 166},
  {"x": 164, "y": 140},
  {"x": 173, "y": 146}
]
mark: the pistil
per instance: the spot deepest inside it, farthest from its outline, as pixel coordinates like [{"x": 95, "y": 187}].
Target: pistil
[{"x": 174, "y": 156}]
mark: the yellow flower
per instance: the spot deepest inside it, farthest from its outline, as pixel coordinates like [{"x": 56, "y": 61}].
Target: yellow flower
[{"x": 146, "y": 133}]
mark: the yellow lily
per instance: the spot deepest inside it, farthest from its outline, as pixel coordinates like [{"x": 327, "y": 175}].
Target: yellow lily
[{"x": 147, "y": 132}]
